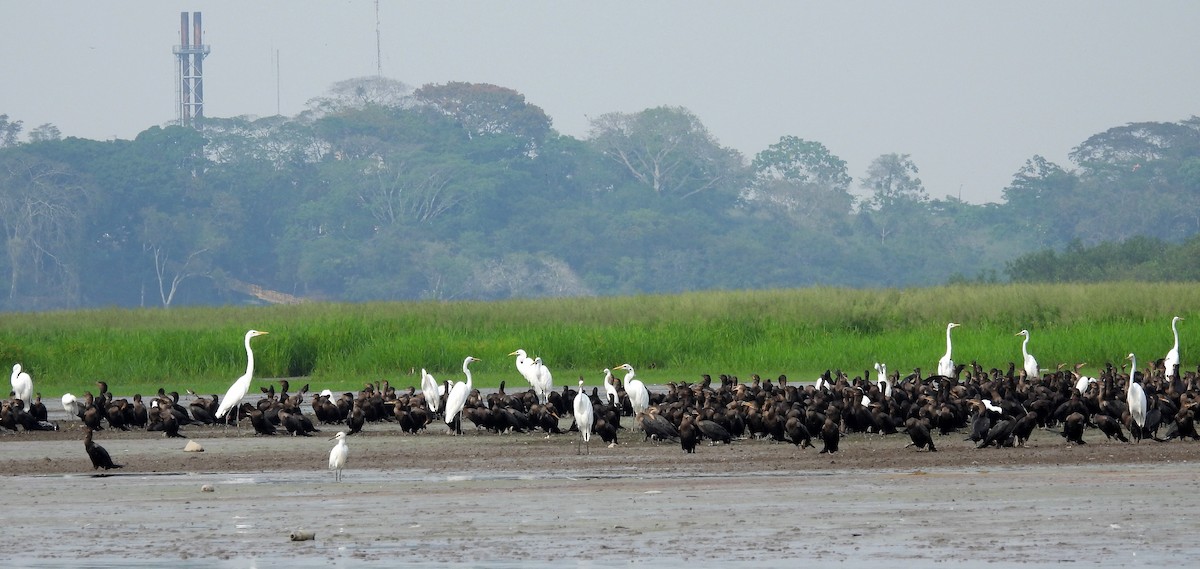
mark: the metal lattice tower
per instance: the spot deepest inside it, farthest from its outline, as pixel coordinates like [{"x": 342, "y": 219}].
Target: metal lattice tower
[{"x": 189, "y": 71}]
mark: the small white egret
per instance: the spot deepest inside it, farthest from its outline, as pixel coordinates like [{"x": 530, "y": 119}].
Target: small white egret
[
  {"x": 639, "y": 396},
  {"x": 70, "y": 404},
  {"x": 22, "y": 385},
  {"x": 429, "y": 388},
  {"x": 1031, "y": 365},
  {"x": 946, "y": 364},
  {"x": 1082, "y": 381},
  {"x": 1135, "y": 396},
  {"x": 458, "y": 398},
  {"x": 238, "y": 390},
  {"x": 583, "y": 418},
  {"x": 1172, "y": 358},
  {"x": 610, "y": 388},
  {"x": 544, "y": 379},
  {"x": 337, "y": 456}
]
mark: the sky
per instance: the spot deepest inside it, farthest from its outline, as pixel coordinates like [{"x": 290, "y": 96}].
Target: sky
[{"x": 970, "y": 90}]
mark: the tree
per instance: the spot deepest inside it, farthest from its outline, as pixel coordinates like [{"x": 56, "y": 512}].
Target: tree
[
  {"x": 43, "y": 207},
  {"x": 668, "y": 150},
  {"x": 802, "y": 179},
  {"x": 488, "y": 110},
  {"x": 360, "y": 93},
  {"x": 45, "y": 133},
  {"x": 897, "y": 198},
  {"x": 9, "y": 131},
  {"x": 1037, "y": 195}
]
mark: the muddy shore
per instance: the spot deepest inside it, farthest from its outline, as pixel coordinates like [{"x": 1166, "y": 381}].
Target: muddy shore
[{"x": 526, "y": 500}]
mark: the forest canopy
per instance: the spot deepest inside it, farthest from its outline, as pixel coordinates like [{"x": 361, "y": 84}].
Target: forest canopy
[{"x": 379, "y": 191}]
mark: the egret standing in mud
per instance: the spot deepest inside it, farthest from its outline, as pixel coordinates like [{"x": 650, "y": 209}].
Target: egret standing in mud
[
  {"x": 457, "y": 398},
  {"x": 337, "y": 456},
  {"x": 239, "y": 388},
  {"x": 22, "y": 386},
  {"x": 583, "y": 418},
  {"x": 1135, "y": 396}
]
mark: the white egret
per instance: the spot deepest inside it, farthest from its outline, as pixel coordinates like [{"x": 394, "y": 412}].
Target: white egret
[
  {"x": 457, "y": 398},
  {"x": 1172, "y": 358},
  {"x": 639, "y": 396},
  {"x": 544, "y": 379},
  {"x": 1135, "y": 396},
  {"x": 337, "y": 456},
  {"x": 610, "y": 388},
  {"x": 238, "y": 390},
  {"x": 1031, "y": 365},
  {"x": 429, "y": 388},
  {"x": 70, "y": 404},
  {"x": 946, "y": 364},
  {"x": 22, "y": 385},
  {"x": 583, "y": 418},
  {"x": 881, "y": 378},
  {"x": 528, "y": 370},
  {"x": 1082, "y": 381}
]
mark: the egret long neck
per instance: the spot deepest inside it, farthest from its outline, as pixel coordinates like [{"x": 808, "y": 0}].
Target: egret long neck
[
  {"x": 1175, "y": 333},
  {"x": 1024, "y": 346},
  {"x": 948, "y": 328},
  {"x": 467, "y": 372},
  {"x": 249, "y": 357}
]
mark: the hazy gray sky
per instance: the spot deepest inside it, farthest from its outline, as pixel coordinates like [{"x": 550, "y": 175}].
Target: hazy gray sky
[{"x": 969, "y": 89}]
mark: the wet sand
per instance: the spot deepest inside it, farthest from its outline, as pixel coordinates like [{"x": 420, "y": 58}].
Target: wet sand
[{"x": 522, "y": 500}]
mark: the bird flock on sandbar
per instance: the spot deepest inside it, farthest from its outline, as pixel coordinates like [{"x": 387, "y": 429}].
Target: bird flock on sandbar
[{"x": 997, "y": 407}]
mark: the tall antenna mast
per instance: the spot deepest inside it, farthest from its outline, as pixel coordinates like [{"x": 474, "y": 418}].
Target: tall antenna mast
[{"x": 378, "y": 49}]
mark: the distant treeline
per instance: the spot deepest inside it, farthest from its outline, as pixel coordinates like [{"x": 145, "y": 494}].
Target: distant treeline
[{"x": 465, "y": 191}]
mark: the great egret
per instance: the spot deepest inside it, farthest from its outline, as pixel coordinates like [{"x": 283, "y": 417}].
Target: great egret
[
  {"x": 946, "y": 364},
  {"x": 458, "y": 397},
  {"x": 1172, "y": 358},
  {"x": 22, "y": 386},
  {"x": 881, "y": 378},
  {"x": 583, "y": 418},
  {"x": 528, "y": 370},
  {"x": 639, "y": 396},
  {"x": 337, "y": 456},
  {"x": 1031, "y": 366},
  {"x": 429, "y": 388},
  {"x": 544, "y": 379},
  {"x": 610, "y": 388},
  {"x": 1135, "y": 396},
  {"x": 242, "y": 385}
]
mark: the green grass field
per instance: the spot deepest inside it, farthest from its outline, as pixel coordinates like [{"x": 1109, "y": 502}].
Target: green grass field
[{"x": 795, "y": 332}]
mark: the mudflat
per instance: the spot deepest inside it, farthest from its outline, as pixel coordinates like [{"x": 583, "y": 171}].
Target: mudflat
[{"x": 525, "y": 500}]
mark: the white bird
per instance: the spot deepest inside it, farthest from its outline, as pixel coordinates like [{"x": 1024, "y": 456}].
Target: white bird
[
  {"x": 527, "y": 369},
  {"x": 639, "y": 396},
  {"x": 610, "y": 388},
  {"x": 337, "y": 456},
  {"x": 429, "y": 388},
  {"x": 885, "y": 384},
  {"x": 22, "y": 386},
  {"x": 1172, "y": 358},
  {"x": 544, "y": 379},
  {"x": 946, "y": 364},
  {"x": 583, "y": 418},
  {"x": 458, "y": 398},
  {"x": 240, "y": 386},
  {"x": 70, "y": 404},
  {"x": 1082, "y": 381},
  {"x": 1031, "y": 366},
  {"x": 1135, "y": 396}
]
